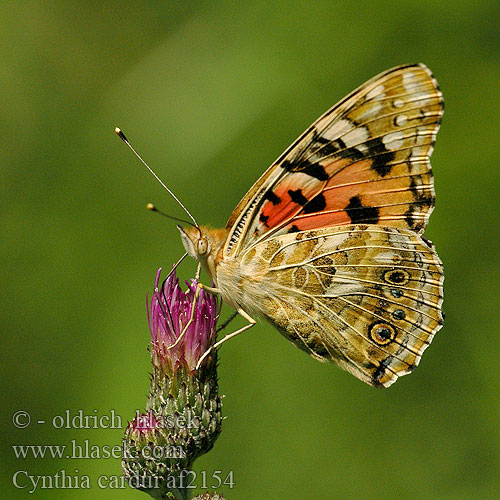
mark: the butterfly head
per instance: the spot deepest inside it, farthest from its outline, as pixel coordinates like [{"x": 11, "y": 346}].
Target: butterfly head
[{"x": 203, "y": 244}]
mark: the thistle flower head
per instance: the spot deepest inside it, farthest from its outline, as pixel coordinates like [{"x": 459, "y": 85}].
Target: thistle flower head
[
  {"x": 183, "y": 410},
  {"x": 169, "y": 312}
]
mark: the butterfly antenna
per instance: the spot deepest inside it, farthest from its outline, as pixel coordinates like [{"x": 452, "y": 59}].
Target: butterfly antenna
[
  {"x": 153, "y": 208},
  {"x": 121, "y": 135}
]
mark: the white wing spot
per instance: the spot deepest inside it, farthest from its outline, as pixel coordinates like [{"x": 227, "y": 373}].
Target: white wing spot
[
  {"x": 393, "y": 140},
  {"x": 401, "y": 120},
  {"x": 408, "y": 77},
  {"x": 398, "y": 103},
  {"x": 356, "y": 136},
  {"x": 344, "y": 285},
  {"x": 369, "y": 109},
  {"x": 338, "y": 129},
  {"x": 422, "y": 153},
  {"x": 376, "y": 92}
]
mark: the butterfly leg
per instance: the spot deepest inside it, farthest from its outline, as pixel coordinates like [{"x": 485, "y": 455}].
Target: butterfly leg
[
  {"x": 251, "y": 322},
  {"x": 199, "y": 287},
  {"x": 228, "y": 320},
  {"x": 198, "y": 272}
]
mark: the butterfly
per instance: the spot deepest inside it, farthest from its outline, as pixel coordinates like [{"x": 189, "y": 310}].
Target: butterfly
[{"x": 327, "y": 245}]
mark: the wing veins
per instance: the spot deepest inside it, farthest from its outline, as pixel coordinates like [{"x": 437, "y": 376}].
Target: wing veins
[
  {"x": 364, "y": 124},
  {"x": 398, "y": 304},
  {"x": 367, "y": 339},
  {"x": 339, "y": 250},
  {"x": 389, "y": 321},
  {"x": 385, "y": 321},
  {"x": 338, "y": 210},
  {"x": 367, "y": 181}
]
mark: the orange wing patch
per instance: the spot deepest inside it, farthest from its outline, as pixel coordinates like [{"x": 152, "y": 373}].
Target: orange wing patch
[{"x": 287, "y": 201}]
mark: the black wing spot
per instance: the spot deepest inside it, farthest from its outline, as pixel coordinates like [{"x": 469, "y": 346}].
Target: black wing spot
[
  {"x": 264, "y": 218},
  {"x": 399, "y": 314},
  {"x": 315, "y": 170},
  {"x": 297, "y": 196},
  {"x": 381, "y": 158},
  {"x": 411, "y": 221},
  {"x": 377, "y": 374},
  {"x": 357, "y": 212},
  {"x": 353, "y": 154},
  {"x": 294, "y": 229},
  {"x": 317, "y": 204},
  {"x": 305, "y": 167},
  {"x": 272, "y": 197},
  {"x": 327, "y": 147},
  {"x": 422, "y": 197},
  {"x": 337, "y": 147}
]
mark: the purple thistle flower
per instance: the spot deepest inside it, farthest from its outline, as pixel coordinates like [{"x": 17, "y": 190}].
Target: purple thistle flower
[{"x": 168, "y": 314}]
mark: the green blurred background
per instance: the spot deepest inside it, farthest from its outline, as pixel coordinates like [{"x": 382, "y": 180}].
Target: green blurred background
[{"x": 211, "y": 93}]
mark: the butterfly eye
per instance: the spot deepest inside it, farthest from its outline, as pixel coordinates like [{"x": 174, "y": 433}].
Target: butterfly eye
[{"x": 202, "y": 246}]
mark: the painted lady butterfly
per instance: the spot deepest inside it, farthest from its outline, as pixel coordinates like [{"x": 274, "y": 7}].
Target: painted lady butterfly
[{"x": 326, "y": 245}]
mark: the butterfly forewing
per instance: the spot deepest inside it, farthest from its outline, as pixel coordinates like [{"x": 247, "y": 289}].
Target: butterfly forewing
[
  {"x": 366, "y": 297},
  {"x": 366, "y": 160}
]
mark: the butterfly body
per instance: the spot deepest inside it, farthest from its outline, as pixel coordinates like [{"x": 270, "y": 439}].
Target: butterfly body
[{"x": 326, "y": 245}]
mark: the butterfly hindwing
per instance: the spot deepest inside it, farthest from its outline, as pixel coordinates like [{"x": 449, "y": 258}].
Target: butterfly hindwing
[
  {"x": 366, "y": 160},
  {"x": 366, "y": 297}
]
